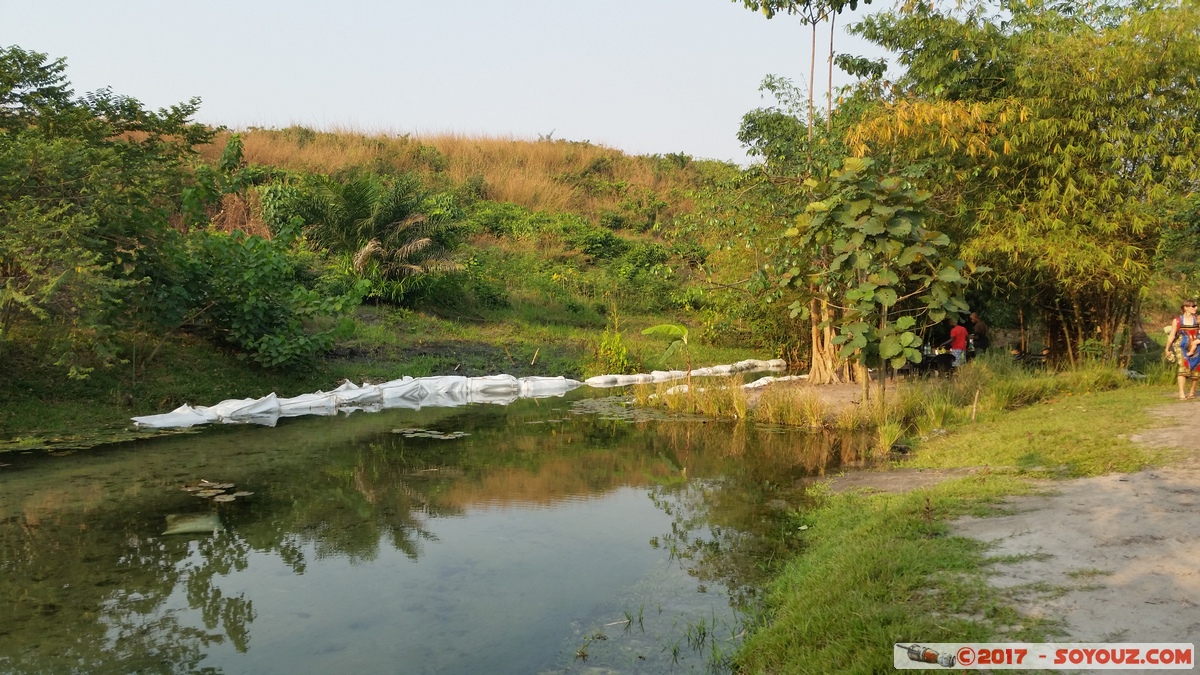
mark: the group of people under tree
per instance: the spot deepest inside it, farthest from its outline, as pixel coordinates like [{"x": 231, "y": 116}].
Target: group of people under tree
[
  {"x": 1182, "y": 346},
  {"x": 961, "y": 337}
]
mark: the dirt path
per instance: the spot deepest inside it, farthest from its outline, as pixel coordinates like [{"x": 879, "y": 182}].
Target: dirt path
[{"x": 1115, "y": 558}]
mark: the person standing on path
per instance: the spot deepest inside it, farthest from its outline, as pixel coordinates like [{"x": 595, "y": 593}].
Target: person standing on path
[
  {"x": 979, "y": 331},
  {"x": 1183, "y": 345},
  {"x": 957, "y": 341}
]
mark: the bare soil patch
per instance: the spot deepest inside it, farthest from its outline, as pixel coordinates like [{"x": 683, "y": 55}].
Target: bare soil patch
[
  {"x": 834, "y": 396},
  {"x": 1112, "y": 558}
]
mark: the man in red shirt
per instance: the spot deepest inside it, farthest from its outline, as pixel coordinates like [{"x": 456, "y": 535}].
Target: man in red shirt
[{"x": 957, "y": 341}]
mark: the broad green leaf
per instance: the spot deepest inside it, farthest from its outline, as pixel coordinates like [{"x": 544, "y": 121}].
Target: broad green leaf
[
  {"x": 949, "y": 275},
  {"x": 886, "y": 297},
  {"x": 905, "y": 322},
  {"x": 889, "y": 347},
  {"x": 899, "y": 361},
  {"x": 899, "y": 227},
  {"x": 667, "y": 330},
  {"x": 873, "y": 227},
  {"x": 672, "y": 349},
  {"x": 884, "y": 277}
]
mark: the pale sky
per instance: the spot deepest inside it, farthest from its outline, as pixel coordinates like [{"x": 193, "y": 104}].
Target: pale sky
[{"x": 644, "y": 76}]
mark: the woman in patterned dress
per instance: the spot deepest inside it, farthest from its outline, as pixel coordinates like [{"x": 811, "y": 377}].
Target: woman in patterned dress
[{"x": 1184, "y": 343}]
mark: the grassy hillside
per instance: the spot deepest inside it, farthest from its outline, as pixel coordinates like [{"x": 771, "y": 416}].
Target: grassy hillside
[
  {"x": 546, "y": 175},
  {"x": 560, "y": 254}
]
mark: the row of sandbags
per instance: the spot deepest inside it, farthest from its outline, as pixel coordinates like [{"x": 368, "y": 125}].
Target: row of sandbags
[
  {"x": 407, "y": 392},
  {"x": 416, "y": 393},
  {"x": 747, "y": 366}
]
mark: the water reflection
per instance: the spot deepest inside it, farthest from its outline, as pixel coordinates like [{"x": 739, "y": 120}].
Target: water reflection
[{"x": 363, "y": 549}]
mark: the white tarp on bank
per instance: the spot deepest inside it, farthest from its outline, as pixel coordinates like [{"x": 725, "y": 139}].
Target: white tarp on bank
[
  {"x": 407, "y": 392},
  {"x": 416, "y": 393},
  {"x": 747, "y": 366}
]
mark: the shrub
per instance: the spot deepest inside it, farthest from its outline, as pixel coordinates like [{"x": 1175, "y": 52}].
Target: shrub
[
  {"x": 596, "y": 242},
  {"x": 243, "y": 291}
]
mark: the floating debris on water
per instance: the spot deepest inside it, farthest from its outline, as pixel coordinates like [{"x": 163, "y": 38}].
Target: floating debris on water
[
  {"x": 429, "y": 433},
  {"x": 218, "y": 492}
]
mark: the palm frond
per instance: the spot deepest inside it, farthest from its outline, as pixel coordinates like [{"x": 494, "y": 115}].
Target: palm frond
[
  {"x": 364, "y": 255},
  {"x": 407, "y": 251}
]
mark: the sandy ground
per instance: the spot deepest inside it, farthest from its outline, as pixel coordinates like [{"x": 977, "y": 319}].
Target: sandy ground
[
  {"x": 1114, "y": 558},
  {"x": 1120, "y": 553}
]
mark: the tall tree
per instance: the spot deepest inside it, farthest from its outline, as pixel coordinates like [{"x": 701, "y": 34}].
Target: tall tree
[
  {"x": 1061, "y": 140},
  {"x": 87, "y": 185}
]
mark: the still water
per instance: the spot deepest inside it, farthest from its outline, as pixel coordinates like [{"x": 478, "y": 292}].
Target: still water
[{"x": 566, "y": 535}]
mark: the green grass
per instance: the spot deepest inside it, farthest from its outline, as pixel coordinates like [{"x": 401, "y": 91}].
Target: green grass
[
  {"x": 1068, "y": 435},
  {"x": 877, "y": 570},
  {"x": 880, "y": 569},
  {"x": 40, "y": 408}
]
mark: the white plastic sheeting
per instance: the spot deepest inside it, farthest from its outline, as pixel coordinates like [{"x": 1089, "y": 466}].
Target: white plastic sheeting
[
  {"x": 407, "y": 392},
  {"x": 764, "y": 381},
  {"x": 747, "y": 366},
  {"x": 757, "y": 384},
  {"x": 417, "y": 393}
]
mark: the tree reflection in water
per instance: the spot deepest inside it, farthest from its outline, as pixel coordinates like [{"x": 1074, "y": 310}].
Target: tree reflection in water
[{"x": 87, "y": 583}]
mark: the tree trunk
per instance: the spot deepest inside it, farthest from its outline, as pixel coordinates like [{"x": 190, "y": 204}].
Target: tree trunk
[
  {"x": 825, "y": 361},
  {"x": 883, "y": 364},
  {"x": 1021, "y": 320},
  {"x": 812, "y": 71},
  {"x": 829, "y": 115}
]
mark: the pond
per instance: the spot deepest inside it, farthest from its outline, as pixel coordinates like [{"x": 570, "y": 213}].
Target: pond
[{"x": 565, "y": 535}]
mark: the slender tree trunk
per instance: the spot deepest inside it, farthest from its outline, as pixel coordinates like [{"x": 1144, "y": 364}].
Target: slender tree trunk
[
  {"x": 1021, "y": 321},
  {"x": 812, "y": 71},
  {"x": 1066, "y": 329},
  {"x": 1079, "y": 331},
  {"x": 829, "y": 116},
  {"x": 883, "y": 364}
]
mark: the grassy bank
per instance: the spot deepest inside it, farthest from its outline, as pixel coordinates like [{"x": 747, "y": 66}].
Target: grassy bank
[
  {"x": 41, "y": 409},
  {"x": 882, "y": 569}
]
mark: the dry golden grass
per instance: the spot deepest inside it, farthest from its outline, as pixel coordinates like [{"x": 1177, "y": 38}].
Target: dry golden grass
[
  {"x": 722, "y": 397},
  {"x": 534, "y": 174},
  {"x": 793, "y": 406},
  {"x": 238, "y": 212}
]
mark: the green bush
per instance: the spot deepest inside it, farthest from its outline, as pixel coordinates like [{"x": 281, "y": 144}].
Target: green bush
[
  {"x": 610, "y": 356},
  {"x": 596, "y": 242},
  {"x": 243, "y": 291}
]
